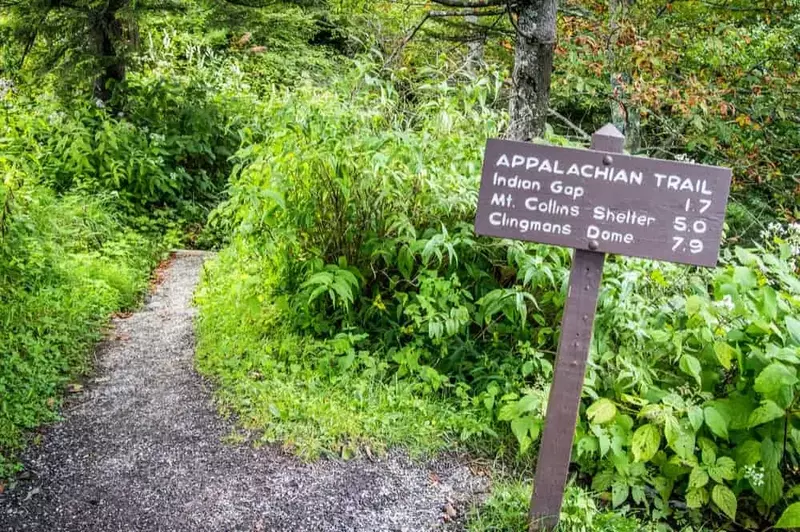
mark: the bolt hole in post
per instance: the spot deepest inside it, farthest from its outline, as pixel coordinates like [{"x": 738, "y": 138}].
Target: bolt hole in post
[{"x": 595, "y": 201}]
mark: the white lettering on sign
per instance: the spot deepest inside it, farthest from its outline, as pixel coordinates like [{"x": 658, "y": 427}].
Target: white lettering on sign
[
  {"x": 595, "y": 233},
  {"x": 556, "y": 167},
  {"x": 608, "y": 202},
  {"x": 525, "y": 225},
  {"x": 558, "y": 187},
  {"x": 515, "y": 182},
  {"x": 622, "y": 217},
  {"x": 504, "y": 200},
  {"x": 551, "y": 206},
  {"x": 676, "y": 182}
]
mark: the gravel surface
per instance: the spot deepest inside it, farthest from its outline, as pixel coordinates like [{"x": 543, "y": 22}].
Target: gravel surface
[{"x": 142, "y": 449}]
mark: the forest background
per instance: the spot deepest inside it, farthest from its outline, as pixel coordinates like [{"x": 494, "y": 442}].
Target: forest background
[{"x": 331, "y": 151}]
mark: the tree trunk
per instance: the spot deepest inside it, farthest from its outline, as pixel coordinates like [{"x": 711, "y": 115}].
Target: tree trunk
[
  {"x": 533, "y": 64},
  {"x": 623, "y": 116},
  {"x": 475, "y": 48},
  {"x": 108, "y": 32}
]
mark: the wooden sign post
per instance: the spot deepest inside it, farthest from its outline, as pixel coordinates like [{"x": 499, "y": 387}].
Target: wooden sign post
[{"x": 597, "y": 201}]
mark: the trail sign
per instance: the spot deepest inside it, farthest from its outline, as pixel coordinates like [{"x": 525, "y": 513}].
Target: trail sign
[
  {"x": 597, "y": 201},
  {"x": 608, "y": 202}
]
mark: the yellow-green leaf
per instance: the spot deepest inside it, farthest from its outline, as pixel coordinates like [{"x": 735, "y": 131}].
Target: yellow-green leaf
[
  {"x": 725, "y": 354},
  {"x": 724, "y": 498},
  {"x": 716, "y": 422},
  {"x": 645, "y": 443},
  {"x": 602, "y": 411},
  {"x": 790, "y": 517}
]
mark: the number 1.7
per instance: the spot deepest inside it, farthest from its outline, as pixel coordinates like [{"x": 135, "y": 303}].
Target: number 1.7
[{"x": 704, "y": 204}]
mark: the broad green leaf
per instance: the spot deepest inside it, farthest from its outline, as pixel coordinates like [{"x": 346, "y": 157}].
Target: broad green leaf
[
  {"x": 765, "y": 413},
  {"x": 716, "y": 422},
  {"x": 619, "y": 492},
  {"x": 693, "y": 305},
  {"x": 691, "y": 366},
  {"x": 528, "y": 403},
  {"x": 679, "y": 438},
  {"x": 645, "y": 443},
  {"x": 736, "y": 409},
  {"x": 405, "y": 262},
  {"x": 695, "y": 414},
  {"x": 769, "y": 302},
  {"x": 637, "y": 493},
  {"x": 748, "y": 453},
  {"x": 603, "y": 439},
  {"x": 774, "y": 378},
  {"x": 793, "y": 326},
  {"x": 725, "y": 354},
  {"x": 745, "y": 278},
  {"x": 771, "y": 488},
  {"x": 748, "y": 258},
  {"x": 724, "y": 469},
  {"x": 603, "y": 480},
  {"x": 724, "y": 498},
  {"x": 696, "y": 498},
  {"x": 601, "y": 411},
  {"x": 708, "y": 451},
  {"x": 771, "y": 453},
  {"x": 790, "y": 517},
  {"x": 759, "y": 328},
  {"x": 698, "y": 478},
  {"x": 521, "y": 427},
  {"x": 663, "y": 486}
]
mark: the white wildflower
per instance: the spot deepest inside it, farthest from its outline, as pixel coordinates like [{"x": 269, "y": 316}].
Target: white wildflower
[
  {"x": 56, "y": 117},
  {"x": 6, "y": 86},
  {"x": 755, "y": 475},
  {"x": 725, "y": 303}
]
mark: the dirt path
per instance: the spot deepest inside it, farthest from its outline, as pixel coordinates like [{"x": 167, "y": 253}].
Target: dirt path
[{"x": 143, "y": 450}]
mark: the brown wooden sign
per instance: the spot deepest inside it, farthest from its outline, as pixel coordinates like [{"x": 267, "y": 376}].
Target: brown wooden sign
[{"x": 600, "y": 201}]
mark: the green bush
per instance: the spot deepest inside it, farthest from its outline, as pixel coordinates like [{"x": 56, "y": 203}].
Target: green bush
[{"x": 316, "y": 397}]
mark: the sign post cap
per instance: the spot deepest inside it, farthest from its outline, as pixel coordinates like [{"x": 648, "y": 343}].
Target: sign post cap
[
  {"x": 608, "y": 138},
  {"x": 609, "y": 130}
]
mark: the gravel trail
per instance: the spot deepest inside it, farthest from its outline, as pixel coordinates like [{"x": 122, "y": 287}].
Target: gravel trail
[{"x": 142, "y": 449}]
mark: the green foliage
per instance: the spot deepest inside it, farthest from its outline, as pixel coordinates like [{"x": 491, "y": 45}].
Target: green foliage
[
  {"x": 168, "y": 146},
  {"x": 65, "y": 265},
  {"x": 695, "y": 80},
  {"x": 506, "y": 510},
  {"x": 316, "y": 397},
  {"x": 355, "y": 308}
]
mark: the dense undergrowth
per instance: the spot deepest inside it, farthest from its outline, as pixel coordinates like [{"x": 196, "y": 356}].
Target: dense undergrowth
[
  {"x": 92, "y": 196},
  {"x": 352, "y": 307}
]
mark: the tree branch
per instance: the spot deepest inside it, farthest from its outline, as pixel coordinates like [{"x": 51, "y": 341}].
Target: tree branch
[{"x": 584, "y": 135}]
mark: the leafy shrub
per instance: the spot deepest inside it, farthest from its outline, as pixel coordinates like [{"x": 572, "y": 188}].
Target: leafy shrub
[{"x": 316, "y": 397}]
